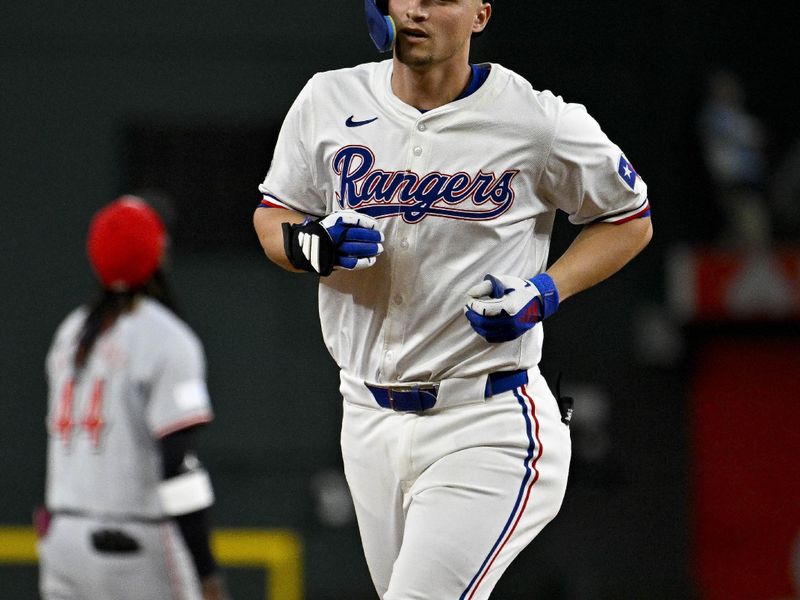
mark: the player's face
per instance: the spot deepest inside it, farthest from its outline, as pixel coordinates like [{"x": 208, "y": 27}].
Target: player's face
[{"x": 430, "y": 32}]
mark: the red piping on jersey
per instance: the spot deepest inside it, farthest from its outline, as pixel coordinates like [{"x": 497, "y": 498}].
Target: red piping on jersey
[
  {"x": 198, "y": 419},
  {"x": 266, "y": 203},
  {"x": 534, "y": 479},
  {"x": 642, "y": 213}
]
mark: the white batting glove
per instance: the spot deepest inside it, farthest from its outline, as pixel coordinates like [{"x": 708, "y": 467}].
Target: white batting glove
[{"x": 503, "y": 307}]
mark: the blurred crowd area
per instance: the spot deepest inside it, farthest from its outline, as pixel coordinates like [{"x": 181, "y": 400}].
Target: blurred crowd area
[{"x": 755, "y": 184}]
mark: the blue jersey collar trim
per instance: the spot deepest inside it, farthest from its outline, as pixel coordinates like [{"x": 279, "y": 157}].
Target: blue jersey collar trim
[{"x": 476, "y": 79}]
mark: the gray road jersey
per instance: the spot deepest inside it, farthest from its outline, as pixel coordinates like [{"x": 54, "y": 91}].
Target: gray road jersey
[{"x": 145, "y": 378}]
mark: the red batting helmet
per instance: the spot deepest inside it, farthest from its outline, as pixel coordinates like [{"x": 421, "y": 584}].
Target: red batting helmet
[{"x": 126, "y": 243}]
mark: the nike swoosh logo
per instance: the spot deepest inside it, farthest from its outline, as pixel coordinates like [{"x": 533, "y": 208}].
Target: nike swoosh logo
[{"x": 351, "y": 123}]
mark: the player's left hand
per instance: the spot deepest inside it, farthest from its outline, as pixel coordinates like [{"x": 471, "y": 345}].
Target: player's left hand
[
  {"x": 213, "y": 587},
  {"x": 503, "y": 307}
]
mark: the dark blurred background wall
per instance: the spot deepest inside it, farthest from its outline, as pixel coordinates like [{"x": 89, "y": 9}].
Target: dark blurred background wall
[{"x": 101, "y": 98}]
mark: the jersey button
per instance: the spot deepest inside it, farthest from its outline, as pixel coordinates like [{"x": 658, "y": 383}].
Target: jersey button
[
  {"x": 418, "y": 151},
  {"x": 398, "y": 299},
  {"x": 404, "y": 243},
  {"x": 421, "y": 127}
]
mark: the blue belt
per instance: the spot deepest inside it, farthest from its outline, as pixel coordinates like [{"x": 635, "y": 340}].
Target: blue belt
[{"x": 422, "y": 397}]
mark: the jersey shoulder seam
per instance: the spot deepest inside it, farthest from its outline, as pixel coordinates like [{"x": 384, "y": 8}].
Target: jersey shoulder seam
[{"x": 556, "y": 126}]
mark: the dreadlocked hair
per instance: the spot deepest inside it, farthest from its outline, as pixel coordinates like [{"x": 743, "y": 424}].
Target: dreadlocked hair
[{"x": 108, "y": 307}]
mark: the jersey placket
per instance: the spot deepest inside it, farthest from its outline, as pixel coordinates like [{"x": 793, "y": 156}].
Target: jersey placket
[{"x": 405, "y": 260}]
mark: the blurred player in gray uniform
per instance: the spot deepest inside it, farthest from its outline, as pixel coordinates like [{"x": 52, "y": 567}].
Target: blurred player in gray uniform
[
  {"x": 423, "y": 189},
  {"x": 127, "y": 500}
]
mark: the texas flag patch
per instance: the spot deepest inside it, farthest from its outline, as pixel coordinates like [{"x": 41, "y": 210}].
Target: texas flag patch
[{"x": 625, "y": 170}]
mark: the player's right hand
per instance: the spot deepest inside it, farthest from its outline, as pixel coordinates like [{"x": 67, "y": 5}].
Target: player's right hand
[
  {"x": 355, "y": 237},
  {"x": 342, "y": 240}
]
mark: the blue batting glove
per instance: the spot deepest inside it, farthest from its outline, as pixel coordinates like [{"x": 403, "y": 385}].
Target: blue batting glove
[
  {"x": 356, "y": 239},
  {"x": 503, "y": 307},
  {"x": 342, "y": 240}
]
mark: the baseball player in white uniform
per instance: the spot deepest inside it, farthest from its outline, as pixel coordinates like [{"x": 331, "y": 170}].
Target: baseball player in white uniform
[
  {"x": 126, "y": 498},
  {"x": 423, "y": 190}
]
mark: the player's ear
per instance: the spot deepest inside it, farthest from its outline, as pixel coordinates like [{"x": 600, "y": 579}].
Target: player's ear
[{"x": 482, "y": 17}]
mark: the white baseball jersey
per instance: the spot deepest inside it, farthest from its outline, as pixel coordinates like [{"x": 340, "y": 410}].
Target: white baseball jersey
[
  {"x": 462, "y": 190},
  {"x": 145, "y": 378},
  {"x": 447, "y": 497}
]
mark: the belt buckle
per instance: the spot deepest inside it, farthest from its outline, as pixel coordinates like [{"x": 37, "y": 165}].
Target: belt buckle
[
  {"x": 433, "y": 389},
  {"x": 390, "y": 394}
]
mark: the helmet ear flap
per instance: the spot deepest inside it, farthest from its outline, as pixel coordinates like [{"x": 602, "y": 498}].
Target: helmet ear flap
[{"x": 380, "y": 25}]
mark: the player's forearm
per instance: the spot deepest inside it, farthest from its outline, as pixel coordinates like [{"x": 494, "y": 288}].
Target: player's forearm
[
  {"x": 267, "y": 222},
  {"x": 194, "y": 525},
  {"x": 599, "y": 251}
]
